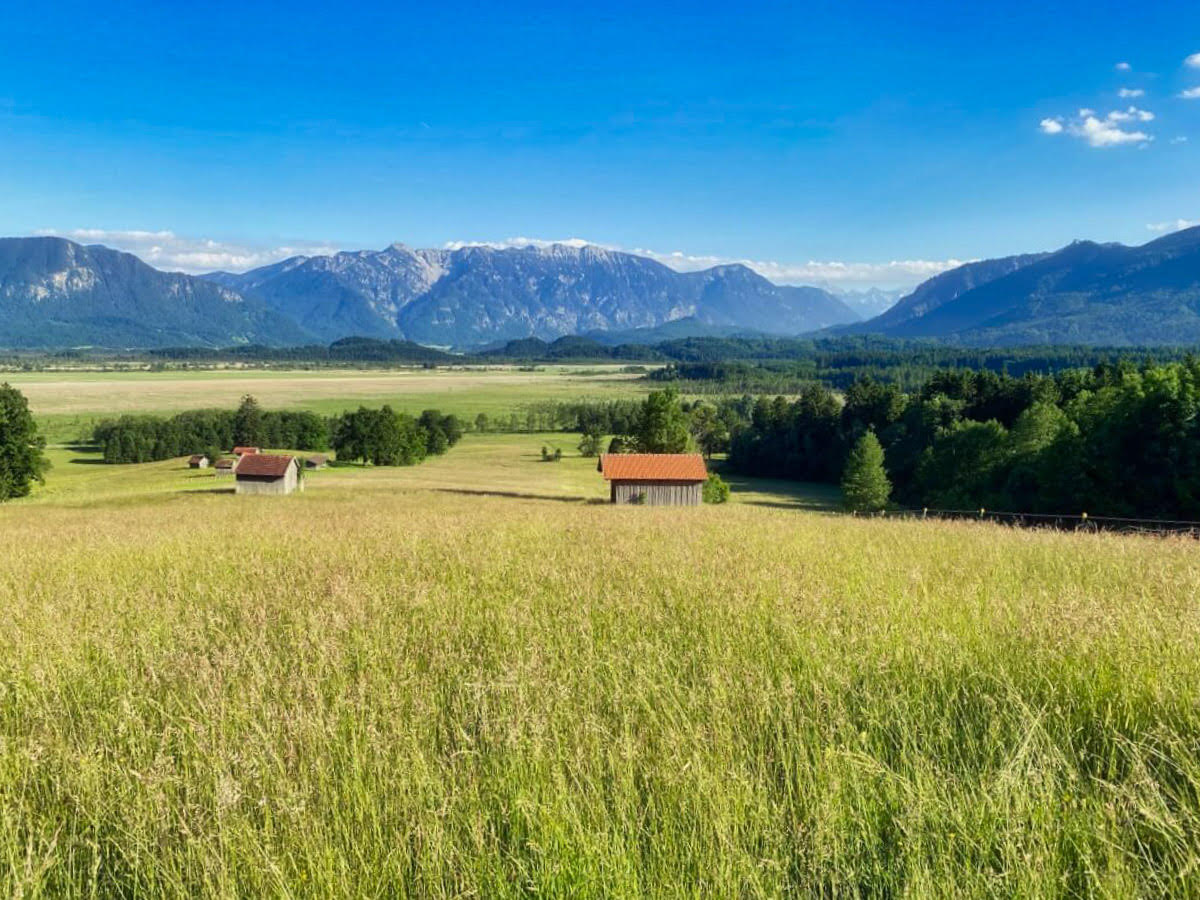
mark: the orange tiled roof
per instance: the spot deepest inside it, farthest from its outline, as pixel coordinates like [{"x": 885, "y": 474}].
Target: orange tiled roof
[
  {"x": 653, "y": 467},
  {"x": 242, "y": 451},
  {"x": 264, "y": 464}
]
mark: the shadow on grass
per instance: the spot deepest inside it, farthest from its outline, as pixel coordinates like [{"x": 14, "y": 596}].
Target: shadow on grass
[
  {"x": 778, "y": 493},
  {"x": 82, "y": 448},
  {"x": 88, "y": 462},
  {"x": 515, "y": 495},
  {"x": 216, "y": 490}
]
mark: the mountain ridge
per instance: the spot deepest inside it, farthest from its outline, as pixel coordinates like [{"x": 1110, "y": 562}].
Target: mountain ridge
[
  {"x": 1085, "y": 292},
  {"x": 57, "y": 293},
  {"x": 474, "y": 294}
]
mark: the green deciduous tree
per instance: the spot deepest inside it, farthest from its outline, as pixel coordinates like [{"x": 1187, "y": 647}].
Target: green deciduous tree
[
  {"x": 21, "y": 459},
  {"x": 715, "y": 490},
  {"x": 865, "y": 485}
]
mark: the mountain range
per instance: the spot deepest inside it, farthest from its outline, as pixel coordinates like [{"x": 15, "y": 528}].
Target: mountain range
[
  {"x": 56, "y": 293},
  {"x": 476, "y": 294}
]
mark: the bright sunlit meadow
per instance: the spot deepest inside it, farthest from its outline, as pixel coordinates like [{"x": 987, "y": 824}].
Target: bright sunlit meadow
[{"x": 470, "y": 678}]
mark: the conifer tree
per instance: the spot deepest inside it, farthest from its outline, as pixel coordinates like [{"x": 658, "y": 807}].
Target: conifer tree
[{"x": 865, "y": 485}]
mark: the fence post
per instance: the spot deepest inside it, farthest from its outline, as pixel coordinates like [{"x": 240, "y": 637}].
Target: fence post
[
  {"x": 981, "y": 512},
  {"x": 924, "y": 512}
]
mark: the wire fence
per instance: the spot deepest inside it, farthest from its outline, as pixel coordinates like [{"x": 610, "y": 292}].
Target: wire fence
[{"x": 1056, "y": 521}]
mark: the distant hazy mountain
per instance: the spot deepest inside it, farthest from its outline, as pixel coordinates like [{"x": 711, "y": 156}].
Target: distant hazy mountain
[
  {"x": 56, "y": 293},
  {"x": 474, "y": 295},
  {"x": 944, "y": 288},
  {"x": 1085, "y": 293},
  {"x": 870, "y": 302}
]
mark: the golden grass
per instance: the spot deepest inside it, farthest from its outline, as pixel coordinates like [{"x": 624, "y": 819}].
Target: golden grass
[{"x": 379, "y": 688}]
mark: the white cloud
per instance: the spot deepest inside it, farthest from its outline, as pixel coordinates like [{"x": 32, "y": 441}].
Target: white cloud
[
  {"x": 1123, "y": 67},
  {"x": 1130, "y": 115},
  {"x": 169, "y": 251},
  {"x": 1193, "y": 61},
  {"x": 1181, "y": 139},
  {"x": 1190, "y": 94},
  {"x": 1177, "y": 225},
  {"x": 1109, "y": 131},
  {"x": 1131, "y": 92},
  {"x": 907, "y": 273}
]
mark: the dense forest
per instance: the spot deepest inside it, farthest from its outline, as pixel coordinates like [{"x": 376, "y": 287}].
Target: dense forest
[{"x": 1116, "y": 440}]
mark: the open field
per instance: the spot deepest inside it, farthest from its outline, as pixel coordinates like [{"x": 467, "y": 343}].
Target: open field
[
  {"x": 473, "y": 677},
  {"x": 481, "y": 465},
  {"x": 68, "y": 404},
  {"x": 384, "y": 688}
]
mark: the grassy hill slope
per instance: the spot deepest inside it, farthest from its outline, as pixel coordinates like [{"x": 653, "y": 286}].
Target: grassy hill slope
[{"x": 382, "y": 688}]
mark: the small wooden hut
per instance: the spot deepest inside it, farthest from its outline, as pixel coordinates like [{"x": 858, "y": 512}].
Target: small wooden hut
[
  {"x": 198, "y": 461},
  {"x": 263, "y": 473},
  {"x": 655, "y": 479},
  {"x": 226, "y": 466},
  {"x": 244, "y": 451}
]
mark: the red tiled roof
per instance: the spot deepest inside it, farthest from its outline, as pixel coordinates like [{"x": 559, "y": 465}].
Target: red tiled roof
[
  {"x": 242, "y": 451},
  {"x": 653, "y": 467},
  {"x": 197, "y": 458},
  {"x": 264, "y": 464},
  {"x": 226, "y": 463}
]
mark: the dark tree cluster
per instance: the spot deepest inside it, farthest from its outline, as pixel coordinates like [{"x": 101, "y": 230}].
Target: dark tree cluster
[
  {"x": 142, "y": 438},
  {"x": 384, "y": 437},
  {"x": 1117, "y": 440}
]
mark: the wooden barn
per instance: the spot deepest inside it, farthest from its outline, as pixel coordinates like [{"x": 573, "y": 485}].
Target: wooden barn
[
  {"x": 263, "y": 473},
  {"x": 226, "y": 466},
  {"x": 244, "y": 451},
  {"x": 316, "y": 461},
  {"x": 655, "y": 479},
  {"x": 199, "y": 461}
]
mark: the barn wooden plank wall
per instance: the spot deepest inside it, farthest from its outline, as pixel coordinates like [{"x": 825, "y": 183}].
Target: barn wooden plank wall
[
  {"x": 262, "y": 484},
  {"x": 658, "y": 493}
]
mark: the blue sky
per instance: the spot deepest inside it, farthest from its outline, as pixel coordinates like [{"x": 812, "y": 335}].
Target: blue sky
[{"x": 852, "y": 133}]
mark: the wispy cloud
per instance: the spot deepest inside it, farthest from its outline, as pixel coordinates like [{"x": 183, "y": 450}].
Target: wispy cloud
[
  {"x": 1123, "y": 67},
  {"x": 172, "y": 252},
  {"x": 895, "y": 274},
  {"x": 1111, "y": 130},
  {"x": 1193, "y": 61},
  {"x": 1181, "y": 139},
  {"x": 1176, "y": 225},
  {"x": 1190, "y": 93},
  {"x": 1131, "y": 92}
]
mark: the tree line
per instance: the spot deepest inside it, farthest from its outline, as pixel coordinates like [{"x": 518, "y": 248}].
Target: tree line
[
  {"x": 379, "y": 436},
  {"x": 1116, "y": 440},
  {"x": 147, "y": 438}
]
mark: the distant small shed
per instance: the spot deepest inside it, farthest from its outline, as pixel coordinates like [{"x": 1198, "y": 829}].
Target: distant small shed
[
  {"x": 263, "y": 473},
  {"x": 655, "y": 479},
  {"x": 244, "y": 451},
  {"x": 199, "y": 461},
  {"x": 316, "y": 461},
  {"x": 225, "y": 466}
]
